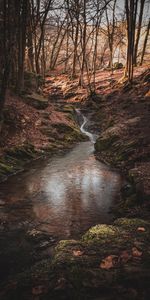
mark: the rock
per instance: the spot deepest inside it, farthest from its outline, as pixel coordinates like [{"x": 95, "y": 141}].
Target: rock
[
  {"x": 118, "y": 65},
  {"x": 15, "y": 158},
  {"x": 36, "y": 100},
  {"x": 105, "y": 260},
  {"x": 104, "y": 143}
]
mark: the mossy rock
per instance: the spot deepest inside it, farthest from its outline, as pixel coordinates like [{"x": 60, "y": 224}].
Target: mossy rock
[
  {"x": 73, "y": 136},
  {"x": 104, "y": 143},
  {"x": 79, "y": 261},
  {"x": 71, "y": 133},
  {"x": 132, "y": 224},
  {"x": 118, "y": 65},
  {"x": 64, "y": 128},
  {"x": 24, "y": 152},
  {"x": 37, "y": 101},
  {"x": 6, "y": 168},
  {"x": 78, "y": 271},
  {"x": 68, "y": 109},
  {"x": 115, "y": 150},
  {"x": 99, "y": 231},
  {"x": 15, "y": 159}
]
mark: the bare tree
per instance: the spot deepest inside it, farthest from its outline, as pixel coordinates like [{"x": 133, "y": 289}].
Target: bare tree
[
  {"x": 142, "y": 2},
  {"x": 131, "y": 13},
  {"x": 111, "y": 31},
  {"x": 145, "y": 42}
]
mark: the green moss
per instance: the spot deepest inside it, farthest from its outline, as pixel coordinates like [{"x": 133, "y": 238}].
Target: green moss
[
  {"x": 68, "y": 109},
  {"x": 117, "y": 65},
  {"x": 100, "y": 231},
  {"x": 24, "y": 152},
  {"x": 73, "y": 136},
  {"x": 125, "y": 222},
  {"x": 6, "y": 168},
  {"x": 82, "y": 277},
  {"x": 63, "y": 243},
  {"x": 35, "y": 100},
  {"x": 64, "y": 251},
  {"x": 15, "y": 158}
]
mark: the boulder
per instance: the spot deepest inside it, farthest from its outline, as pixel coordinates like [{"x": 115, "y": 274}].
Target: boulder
[{"x": 36, "y": 100}]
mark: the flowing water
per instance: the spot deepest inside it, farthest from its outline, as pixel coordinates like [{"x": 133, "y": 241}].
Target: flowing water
[
  {"x": 63, "y": 196},
  {"x": 53, "y": 199}
]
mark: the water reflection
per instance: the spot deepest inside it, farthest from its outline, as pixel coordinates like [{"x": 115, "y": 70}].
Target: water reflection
[{"x": 67, "y": 195}]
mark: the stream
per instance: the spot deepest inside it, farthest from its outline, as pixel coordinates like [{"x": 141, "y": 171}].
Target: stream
[{"x": 62, "y": 196}]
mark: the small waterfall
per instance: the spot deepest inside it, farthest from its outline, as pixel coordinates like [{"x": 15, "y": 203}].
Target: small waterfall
[{"x": 91, "y": 136}]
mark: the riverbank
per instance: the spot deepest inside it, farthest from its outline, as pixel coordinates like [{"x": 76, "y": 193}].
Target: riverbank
[
  {"x": 29, "y": 133},
  {"x": 119, "y": 115},
  {"x": 124, "y": 142}
]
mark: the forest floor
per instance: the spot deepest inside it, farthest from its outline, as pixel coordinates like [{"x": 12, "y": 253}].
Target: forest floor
[{"x": 110, "y": 262}]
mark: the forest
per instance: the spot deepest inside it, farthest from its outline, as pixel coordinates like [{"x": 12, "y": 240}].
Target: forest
[{"x": 74, "y": 149}]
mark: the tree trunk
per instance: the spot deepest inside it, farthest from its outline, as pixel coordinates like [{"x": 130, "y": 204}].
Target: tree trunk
[
  {"x": 83, "y": 44},
  {"x": 22, "y": 43},
  {"x": 131, "y": 12},
  {"x": 138, "y": 32},
  {"x": 145, "y": 43}
]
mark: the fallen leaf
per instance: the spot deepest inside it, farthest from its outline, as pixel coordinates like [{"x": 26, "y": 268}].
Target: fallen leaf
[
  {"x": 77, "y": 252},
  {"x": 136, "y": 252},
  {"x": 142, "y": 229},
  {"x": 109, "y": 262}
]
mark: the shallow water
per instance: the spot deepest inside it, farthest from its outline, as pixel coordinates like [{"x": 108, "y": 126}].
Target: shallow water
[
  {"x": 63, "y": 196},
  {"x": 57, "y": 198}
]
